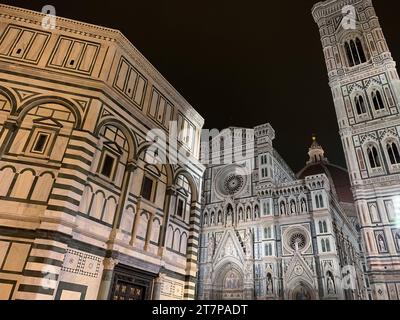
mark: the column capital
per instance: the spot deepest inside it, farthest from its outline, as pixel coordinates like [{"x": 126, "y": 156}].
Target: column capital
[
  {"x": 131, "y": 166},
  {"x": 110, "y": 263},
  {"x": 11, "y": 124}
]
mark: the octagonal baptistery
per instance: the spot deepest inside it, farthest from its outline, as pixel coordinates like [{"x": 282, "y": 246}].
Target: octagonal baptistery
[{"x": 88, "y": 211}]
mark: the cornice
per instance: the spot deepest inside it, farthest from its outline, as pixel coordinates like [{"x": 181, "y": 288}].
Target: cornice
[{"x": 108, "y": 35}]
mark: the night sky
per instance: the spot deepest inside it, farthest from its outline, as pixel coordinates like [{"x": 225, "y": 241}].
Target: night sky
[{"x": 239, "y": 63}]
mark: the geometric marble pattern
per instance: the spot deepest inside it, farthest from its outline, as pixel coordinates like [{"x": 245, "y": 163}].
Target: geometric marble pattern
[{"x": 81, "y": 263}]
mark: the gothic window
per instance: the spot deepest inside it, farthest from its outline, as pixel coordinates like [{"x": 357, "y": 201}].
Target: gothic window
[
  {"x": 319, "y": 201},
  {"x": 267, "y": 233},
  {"x": 328, "y": 245},
  {"x": 377, "y": 100},
  {"x": 321, "y": 230},
  {"x": 323, "y": 245},
  {"x": 360, "y": 105},
  {"x": 393, "y": 152},
  {"x": 325, "y": 227},
  {"x": 268, "y": 250},
  {"x": 373, "y": 157},
  {"x": 355, "y": 52}
]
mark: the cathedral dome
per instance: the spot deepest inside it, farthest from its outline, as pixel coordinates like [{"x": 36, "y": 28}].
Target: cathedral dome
[{"x": 337, "y": 175}]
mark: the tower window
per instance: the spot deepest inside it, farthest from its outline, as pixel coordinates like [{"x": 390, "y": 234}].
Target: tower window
[
  {"x": 393, "y": 152},
  {"x": 355, "y": 52},
  {"x": 373, "y": 157},
  {"x": 377, "y": 100},
  {"x": 360, "y": 105},
  {"x": 108, "y": 165},
  {"x": 147, "y": 188},
  {"x": 40, "y": 143}
]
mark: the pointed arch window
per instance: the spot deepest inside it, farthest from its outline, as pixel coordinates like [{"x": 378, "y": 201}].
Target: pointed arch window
[
  {"x": 393, "y": 152},
  {"x": 328, "y": 245},
  {"x": 355, "y": 52},
  {"x": 323, "y": 245},
  {"x": 321, "y": 230},
  {"x": 373, "y": 157},
  {"x": 325, "y": 227},
  {"x": 268, "y": 250},
  {"x": 360, "y": 105},
  {"x": 377, "y": 100}
]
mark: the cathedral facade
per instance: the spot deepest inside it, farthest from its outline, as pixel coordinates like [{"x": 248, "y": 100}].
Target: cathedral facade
[
  {"x": 270, "y": 234},
  {"x": 85, "y": 212}
]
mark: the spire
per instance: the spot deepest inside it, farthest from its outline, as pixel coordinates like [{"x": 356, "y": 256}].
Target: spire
[{"x": 316, "y": 152}]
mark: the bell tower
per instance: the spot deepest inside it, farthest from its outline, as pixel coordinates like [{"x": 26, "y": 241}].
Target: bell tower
[{"x": 366, "y": 92}]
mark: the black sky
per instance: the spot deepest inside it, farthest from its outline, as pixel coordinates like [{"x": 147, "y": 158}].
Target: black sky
[{"x": 239, "y": 63}]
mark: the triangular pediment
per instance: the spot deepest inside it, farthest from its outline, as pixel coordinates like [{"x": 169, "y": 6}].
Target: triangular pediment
[
  {"x": 229, "y": 247},
  {"x": 48, "y": 122},
  {"x": 298, "y": 268}
]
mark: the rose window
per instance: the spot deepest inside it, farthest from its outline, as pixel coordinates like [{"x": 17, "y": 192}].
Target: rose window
[
  {"x": 298, "y": 240},
  {"x": 233, "y": 184}
]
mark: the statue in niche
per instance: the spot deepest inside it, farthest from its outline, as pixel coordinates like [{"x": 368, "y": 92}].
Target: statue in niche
[
  {"x": 256, "y": 212},
  {"x": 270, "y": 288},
  {"x": 303, "y": 205},
  {"x": 240, "y": 216},
  {"x": 390, "y": 210},
  {"x": 283, "y": 208},
  {"x": 219, "y": 217},
  {"x": 374, "y": 213},
  {"x": 330, "y": 284},
  {"x": 212, "y": 220},
  {"x": 381, "y": 243},
  {"x": 247, "y": 243},
  {"x": 292, "y": 207},
  {"x": 229, "y": 216},
  {"x": 248, "y": 214}
]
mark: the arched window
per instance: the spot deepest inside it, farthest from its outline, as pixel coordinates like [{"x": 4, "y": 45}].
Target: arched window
[
  {"x": 317, "y": 201},
  {"x": 267, "y": 233},
  {"x": 325, "y": 227},
  {"x": 268, "y": 250},
  {"x": 377, "y": 100},
  {"x": 360, "y": 50},
  {"x": 321, "y": 230},
  {"x": 355, "y": 52},
  {"x": 321, "y": 201},
  {"x": 348, "y": 54},
  {"x": 328, "y": 245},
  {"x": 393, "y": 152},
  {"x": 360, "y": 105},
  {"x": 323, "y": 245},
  {"x": 373, "y": 157}
]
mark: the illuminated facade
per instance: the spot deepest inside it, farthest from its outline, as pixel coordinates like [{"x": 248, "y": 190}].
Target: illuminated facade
[
  {"x": 268, "y": 234},
  {"x": 366, "y": 91},
  {"x": 84, "y": 212}
]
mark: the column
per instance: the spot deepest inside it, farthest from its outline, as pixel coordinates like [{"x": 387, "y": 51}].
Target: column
[
  {"x": 106, "y": 280},
  {"x": 168, "y": 209}
]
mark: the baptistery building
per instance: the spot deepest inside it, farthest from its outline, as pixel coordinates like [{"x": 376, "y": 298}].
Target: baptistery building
[{"x": 85, "y": 211}]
